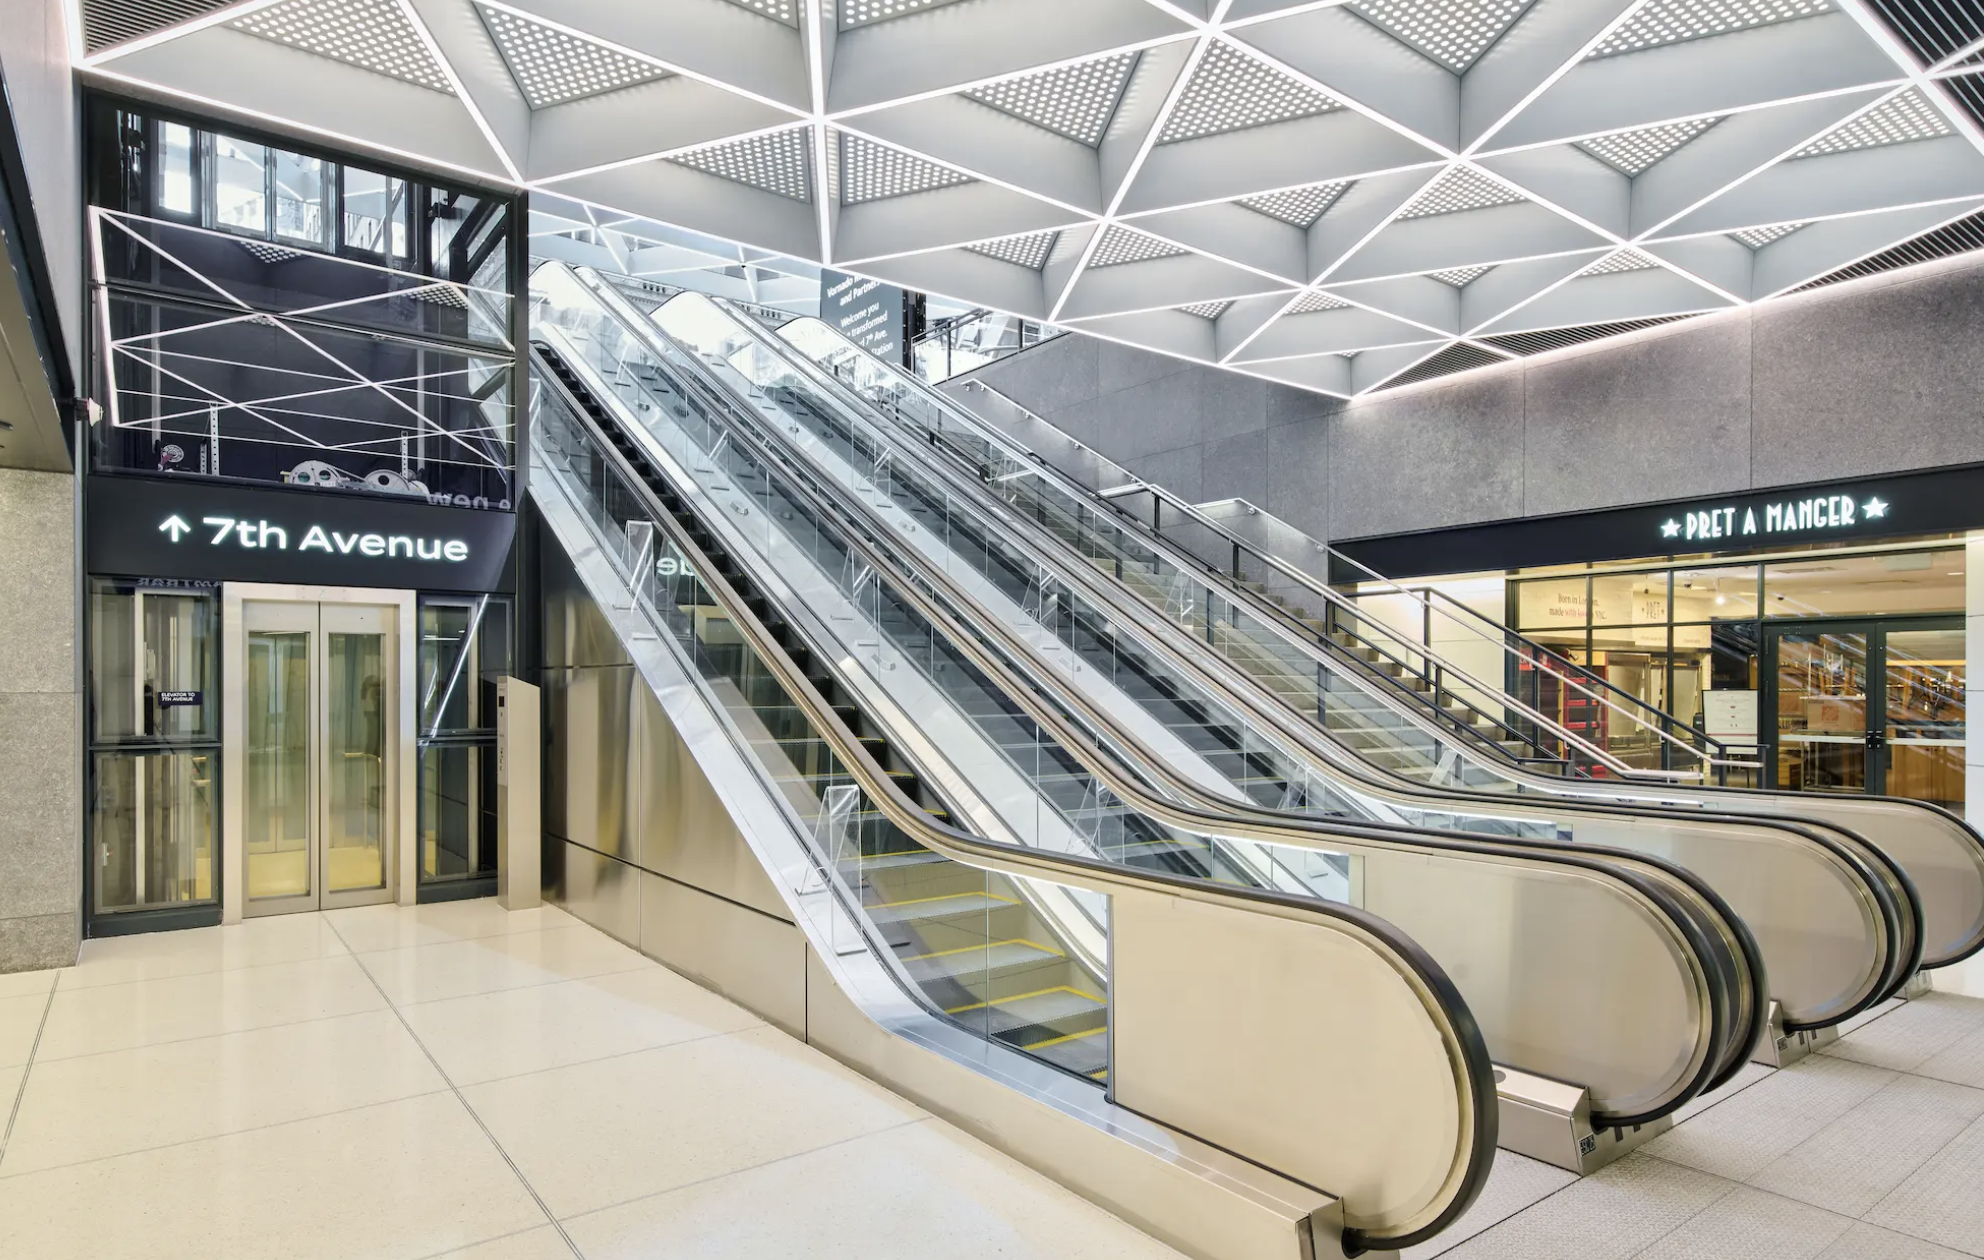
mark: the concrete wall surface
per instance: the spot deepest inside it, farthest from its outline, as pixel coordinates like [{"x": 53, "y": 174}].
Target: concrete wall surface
[
  {"x": 1872, "y": 376},
  {"x": 41, "y": 857}
]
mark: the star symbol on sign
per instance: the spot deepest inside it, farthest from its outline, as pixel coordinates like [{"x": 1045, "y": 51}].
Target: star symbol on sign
[
  {"x": 1669, "y": 528},
  {"x": 1874, "y": 508}
]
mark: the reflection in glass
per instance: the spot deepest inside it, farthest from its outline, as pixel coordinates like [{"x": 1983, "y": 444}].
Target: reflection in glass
[
  {"x": 175, "y": 169},
  {"x": 151, "y": 664},
  {"x": 299, "y": 197},
  {"x": 1886, "y": 582},
  {"x": 152, "y": 827},
  {"x": 374, "y": 212},
  {"x": 1822, "y": 713},
  {"x": 276, "y": 796},
  {"x": 355, "y": 762},
  {"x": 240, "y": 185},
  {"x": 1926, "y": 705},
  {"x": 457, "y": 811}
]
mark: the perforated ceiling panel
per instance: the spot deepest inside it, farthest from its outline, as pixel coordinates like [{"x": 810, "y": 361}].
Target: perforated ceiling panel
[
  {"x": 1074, "y": 101},
  {"x": 1122, "y": 245},
  {"x": 553, "y": 67},
  {"x": 786, "y": 11},
  {"x": 1902, "y": 120},
  {"x": 1757, "y": 238},
  {"x": 1633, "y": 152},
  {"x": 1031, "y": 250},
  {"x": 1461, "y": 188},
  {"x": 1624, "y": 260},
  {"x": 1298, "y": 206},
  {"x": 1231, "y": 91},
  {"x": 1310, "y": 303},
  {"x": 1460, "y": 277},
  {"x": 873, "y": 172},
  {"x": 856, "y": 13},
  {"x": 1124, "y": 161},
  {"x": 370, "y": 34},
  {"x": 775, "y": 163},
  {"x": 1664, "y": 22},
  {"x": 1452, "y": 32}
]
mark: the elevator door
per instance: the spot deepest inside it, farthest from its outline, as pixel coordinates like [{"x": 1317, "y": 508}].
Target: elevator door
[{"x": 318, "y": 694}]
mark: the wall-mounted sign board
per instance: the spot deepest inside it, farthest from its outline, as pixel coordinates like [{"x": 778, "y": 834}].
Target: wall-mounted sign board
[{"x": 187, "y": 528}]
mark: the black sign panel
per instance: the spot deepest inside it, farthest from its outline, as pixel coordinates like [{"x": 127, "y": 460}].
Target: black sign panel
[
  {"x": 187, "y": 528},
  {"x": 867, "y": 312},
  {"x": 1939, "y": 502}
]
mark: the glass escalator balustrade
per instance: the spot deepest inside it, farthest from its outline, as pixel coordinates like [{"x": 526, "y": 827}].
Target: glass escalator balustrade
[{"x": 971, "y": 942}]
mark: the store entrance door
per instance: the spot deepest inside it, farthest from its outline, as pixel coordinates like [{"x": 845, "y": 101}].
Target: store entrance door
[
  {"x": 1869, "y": 707},
  {"x": 312, "y": 744}
]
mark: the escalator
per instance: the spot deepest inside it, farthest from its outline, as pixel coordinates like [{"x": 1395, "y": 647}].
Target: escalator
[
  {"x": 971, "y": 987},
  {"x": 1626, "y": 935},
  {"x": 1402, "y": 694},
  {"x": 1838, "y": 925}
]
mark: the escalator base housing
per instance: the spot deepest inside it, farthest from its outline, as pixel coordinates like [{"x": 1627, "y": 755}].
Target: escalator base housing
[{"x": 1550, "y": 1121}]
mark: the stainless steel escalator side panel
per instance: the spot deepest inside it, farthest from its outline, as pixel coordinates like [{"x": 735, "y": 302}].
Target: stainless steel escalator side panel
[
  {"x": 1359, "y": 1148},
  {"x": 1643, "y": 999}
]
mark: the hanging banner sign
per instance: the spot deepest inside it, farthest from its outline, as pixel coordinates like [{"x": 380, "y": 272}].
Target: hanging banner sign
[{"x": 187, "y": 528}]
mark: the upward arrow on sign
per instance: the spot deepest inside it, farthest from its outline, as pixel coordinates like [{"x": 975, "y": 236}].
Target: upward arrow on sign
[{"x": 174, "y": 526}]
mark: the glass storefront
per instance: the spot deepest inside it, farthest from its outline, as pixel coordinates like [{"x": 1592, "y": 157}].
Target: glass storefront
[{"x": 1844, "y": 667}]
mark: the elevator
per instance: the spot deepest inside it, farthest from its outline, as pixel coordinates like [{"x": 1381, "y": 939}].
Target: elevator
[{"x": 318, "y": 746}]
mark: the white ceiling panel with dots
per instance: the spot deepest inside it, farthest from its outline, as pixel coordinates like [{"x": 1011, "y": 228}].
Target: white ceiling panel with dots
[{"x": 1346, "y": 196}]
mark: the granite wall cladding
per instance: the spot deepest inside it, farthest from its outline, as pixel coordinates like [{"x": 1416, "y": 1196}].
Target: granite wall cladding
[
  {"x": 1877, "y": 375},
  {"x": 40, "y": 715}
]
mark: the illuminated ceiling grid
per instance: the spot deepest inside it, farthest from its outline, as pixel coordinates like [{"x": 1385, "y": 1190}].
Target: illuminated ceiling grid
[{"x": 1342, "y": 197}]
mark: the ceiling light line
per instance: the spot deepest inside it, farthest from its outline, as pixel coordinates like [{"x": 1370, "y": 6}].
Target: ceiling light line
[
  {"x": 1878, "y": 30},
  {"x": 1626, "y": 14},
  {"x": 1173, "y": 94},
  {"x": 978, "y": 176},
  {"x": 1773, "y": 160},
  {"x": 1731, "y": 111},
  {"x": 672, "y": 67},
  {"x": 814, "y": 16},
  {"x": 1968, "y": 199},
  {"x": 215, "y": 17},
  {"x": 1966, "y": 208},
  {"x": 988, "y": 240},
  {"x": 447, "y": 68},
  {"x": 549, "y": 182},
  {"x": 1430, "y": 164},
  {"x": 1444, "y": 339},
  {"x": 223, "y": 109},
  {"x": 1082, "y": 321},
  {"x": 1005, "y": 76},
  {"x": 1350, "y": 102},
  {"x": 1315, "y": 282},
  {"x": 1962, "y": 54},
  {"x": 1196, "y": 22},
  {"x": 1503, "y": 356}
]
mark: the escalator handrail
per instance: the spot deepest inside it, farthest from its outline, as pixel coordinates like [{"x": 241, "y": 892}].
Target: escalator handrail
[
  {"x": 1719, "y": 978},
  {"x": 1466, "y": 1048},
  {"x": 1511, "y": 640},
  {"x": 1882, "y": 880}
]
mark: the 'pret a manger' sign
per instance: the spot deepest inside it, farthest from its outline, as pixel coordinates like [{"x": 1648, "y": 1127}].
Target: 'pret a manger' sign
[{"x": 1812, "y": 514}]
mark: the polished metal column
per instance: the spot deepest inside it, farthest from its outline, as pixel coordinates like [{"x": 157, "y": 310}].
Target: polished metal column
[{"x": 518, "y": 886}]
